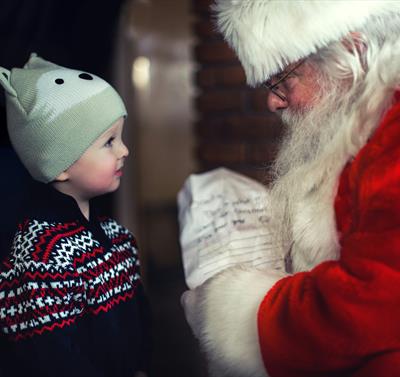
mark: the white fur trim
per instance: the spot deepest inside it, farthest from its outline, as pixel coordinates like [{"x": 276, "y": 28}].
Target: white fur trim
[
  {"x": 269, "y": 34},
  {"x": 230, "y": 305}
]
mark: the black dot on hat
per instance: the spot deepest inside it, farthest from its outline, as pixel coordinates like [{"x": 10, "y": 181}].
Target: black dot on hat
[
  {"x": 5, "y": 75},
  {"x": 59, "y": 81},
  {"x": 86, "y": 76}
]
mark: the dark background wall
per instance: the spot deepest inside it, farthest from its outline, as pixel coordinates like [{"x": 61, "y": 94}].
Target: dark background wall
[
  {"x": 76, "y": 34},
  {"x": 234, "y": 127}
]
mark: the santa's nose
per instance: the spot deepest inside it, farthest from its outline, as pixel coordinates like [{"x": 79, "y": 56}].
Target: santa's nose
[{"x": 276, "y": 103}]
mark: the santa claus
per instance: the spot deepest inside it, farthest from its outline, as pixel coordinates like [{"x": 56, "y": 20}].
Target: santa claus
[{"x": 332, "y": 69}]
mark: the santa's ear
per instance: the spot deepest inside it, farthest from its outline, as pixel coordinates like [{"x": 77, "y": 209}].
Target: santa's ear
[
  {"x": 64, "y": 176},
  {"x": 355, "y": 43}
]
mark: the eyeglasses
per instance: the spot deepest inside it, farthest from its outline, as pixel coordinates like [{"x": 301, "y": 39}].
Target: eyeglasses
[{"x": 280, "y": 79}]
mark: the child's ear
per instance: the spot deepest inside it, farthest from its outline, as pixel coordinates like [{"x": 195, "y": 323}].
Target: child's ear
[{"x": 64, "y": 176}]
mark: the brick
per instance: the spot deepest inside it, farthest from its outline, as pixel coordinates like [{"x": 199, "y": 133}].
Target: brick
[
  {"x": 261, "y": 174},
  {"x": 259, "y": 99},
  {"x": 261, "y": 127},
  {"x": 219, "y": 101},
  {"x": 241, "y": 127},
  {"x": 221, "y": 76},
  {"x": 214, "y": 52},
  {"x": 201, "y": 6},
  {"x": 257, "y": 154},
  {"x": 261, "y": 153},
  {"x": 206, "y": 29},
  {"x": 205, "y": 78},
  {"x": 220, "y": 153},
  {"x": 234, "y": 127}
]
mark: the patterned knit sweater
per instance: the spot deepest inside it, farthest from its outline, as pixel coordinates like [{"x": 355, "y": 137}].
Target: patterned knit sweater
[{"x": 71, "y": 300}]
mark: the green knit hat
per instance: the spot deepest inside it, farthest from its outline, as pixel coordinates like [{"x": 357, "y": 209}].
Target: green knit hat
[{"x": 55, "y": 113}]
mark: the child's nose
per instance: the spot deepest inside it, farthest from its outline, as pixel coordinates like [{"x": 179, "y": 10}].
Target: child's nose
[{"x": 124, "y": 150}]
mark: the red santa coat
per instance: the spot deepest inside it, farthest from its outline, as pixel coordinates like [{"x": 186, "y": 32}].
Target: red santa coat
[{"x": 343, "y": 317}]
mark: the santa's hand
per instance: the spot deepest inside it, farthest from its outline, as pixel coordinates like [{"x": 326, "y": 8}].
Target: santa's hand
[
  {"x": 193, "y": 311},
  {"x": 222, "y": 313}
]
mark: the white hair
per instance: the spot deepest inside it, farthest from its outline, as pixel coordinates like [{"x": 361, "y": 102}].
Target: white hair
[{"x": 358, "y": 77}]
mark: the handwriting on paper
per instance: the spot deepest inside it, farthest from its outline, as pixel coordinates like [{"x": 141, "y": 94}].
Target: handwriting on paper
[
  {"x": 225, "y": 220},
  {"x": 217, "y": 215}
]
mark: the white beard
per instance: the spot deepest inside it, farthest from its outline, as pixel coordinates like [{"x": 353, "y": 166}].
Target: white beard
[
  {"x": 318, "y": 145},
  {"x": 302, "y": 199}
]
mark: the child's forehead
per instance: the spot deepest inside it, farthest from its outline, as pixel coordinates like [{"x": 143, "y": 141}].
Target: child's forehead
[{"x": 115, "y": 127}]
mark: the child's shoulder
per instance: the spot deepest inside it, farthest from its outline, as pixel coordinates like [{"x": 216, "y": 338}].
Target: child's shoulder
[
  {"x": 113, "y": 230},
  {"x": 50, "y": 242},
  {"x": 43, "y": 251}
]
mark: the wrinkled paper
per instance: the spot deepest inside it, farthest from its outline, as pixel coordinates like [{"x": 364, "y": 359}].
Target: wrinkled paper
[{"x": 225, "y": 220}]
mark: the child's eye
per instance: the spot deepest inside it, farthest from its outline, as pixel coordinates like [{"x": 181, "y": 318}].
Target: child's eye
[{"x": 109, "y": 142}]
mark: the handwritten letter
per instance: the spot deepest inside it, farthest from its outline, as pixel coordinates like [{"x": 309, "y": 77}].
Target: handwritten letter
[{"x": 225, "y": 220}]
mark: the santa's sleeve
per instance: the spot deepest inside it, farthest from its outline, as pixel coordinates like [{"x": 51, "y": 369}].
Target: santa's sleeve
[
  {"x": 346, "y": 313},
  {"x": 343, "y": 315},
  {"x": 336, "y": 318}
]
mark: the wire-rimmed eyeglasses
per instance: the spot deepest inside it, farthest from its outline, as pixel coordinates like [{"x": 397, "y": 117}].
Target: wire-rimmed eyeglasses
[{"x": 280, "y": 78}]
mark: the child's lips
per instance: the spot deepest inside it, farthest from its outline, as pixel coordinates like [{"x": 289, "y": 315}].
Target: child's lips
[{"x": 119, "y": 172}]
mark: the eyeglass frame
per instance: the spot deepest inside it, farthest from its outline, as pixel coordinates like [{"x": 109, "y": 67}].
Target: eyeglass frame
[{"x": 272, "y": 87}]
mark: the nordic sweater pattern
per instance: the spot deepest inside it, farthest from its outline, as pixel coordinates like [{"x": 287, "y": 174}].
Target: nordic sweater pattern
[{"x": 57, "y": 272}]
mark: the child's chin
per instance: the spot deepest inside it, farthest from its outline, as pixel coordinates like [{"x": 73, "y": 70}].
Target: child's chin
[
  {"x": 115, "y": 186},
  {"x": 108, "y": 190}
]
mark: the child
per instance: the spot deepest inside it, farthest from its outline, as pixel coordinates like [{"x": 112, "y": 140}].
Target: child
[{"x": 71, "y": 299}]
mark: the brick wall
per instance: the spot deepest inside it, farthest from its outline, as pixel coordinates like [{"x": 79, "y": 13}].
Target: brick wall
[{"x": 233, "y": 127}]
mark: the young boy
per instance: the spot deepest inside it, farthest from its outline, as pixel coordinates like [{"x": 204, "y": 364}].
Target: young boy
[{"x": 71, "y": 299}]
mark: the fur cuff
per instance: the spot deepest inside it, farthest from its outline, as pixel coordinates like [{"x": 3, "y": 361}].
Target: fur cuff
[{"x": 229, "y": 335}]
